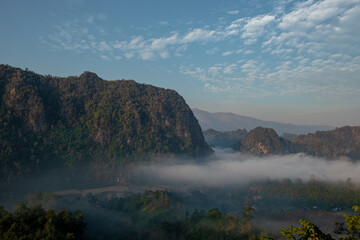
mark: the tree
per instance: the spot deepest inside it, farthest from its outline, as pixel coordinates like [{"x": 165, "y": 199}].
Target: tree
[
  {"x": 352, "y": 228},
  {"x": 37, "y": 223},
  {"x": 309, "y": 231}
]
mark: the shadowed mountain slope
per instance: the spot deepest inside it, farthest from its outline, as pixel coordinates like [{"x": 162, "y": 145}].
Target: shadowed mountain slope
[
  {"x": 47, "y": 122},
  {"x": 223, "y": 139}
]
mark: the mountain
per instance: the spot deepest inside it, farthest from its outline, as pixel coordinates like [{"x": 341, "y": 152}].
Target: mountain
[
  {"x": 262, "y": 141},
  {"x": 223, "y": 139},
  {"x": 48, "y": 122},
  {"x": 222, "y": 121},
  {"x": 344, "y": 141}
]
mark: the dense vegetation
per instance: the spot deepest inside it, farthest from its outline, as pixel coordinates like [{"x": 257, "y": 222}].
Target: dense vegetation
[
  {"x": 48, "y": 122},
  {"x": 262, "y": 141},
  {"x": 149, "y": 215},
  {"x": 162, "y": 214},
  {"x": 36, "y": 223},
  {"x": 275, "y": 195},
  {"x": 223, "y": 139},
  {"x": 344, "y": 141},
  {"x": 350, "y": 230}
]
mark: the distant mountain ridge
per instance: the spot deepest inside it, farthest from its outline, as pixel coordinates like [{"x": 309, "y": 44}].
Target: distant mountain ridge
[{"x": 222, "y": 121}]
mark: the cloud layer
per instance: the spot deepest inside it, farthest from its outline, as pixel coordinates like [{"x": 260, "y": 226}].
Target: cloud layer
[{"x": 306, "y": 48}]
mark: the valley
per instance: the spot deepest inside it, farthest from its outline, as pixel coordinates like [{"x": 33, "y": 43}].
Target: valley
[{"x": 133, "y": 160}]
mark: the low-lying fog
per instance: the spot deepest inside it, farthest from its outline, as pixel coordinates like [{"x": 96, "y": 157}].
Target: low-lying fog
[
  {"x": 229, "y": 168},
  {"x": 224, "y": 169}
]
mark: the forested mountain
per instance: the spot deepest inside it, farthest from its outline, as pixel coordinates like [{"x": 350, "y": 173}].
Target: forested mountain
[
  {"x": 47, "y": 122},
  {"x": 344, "y": 141},
  {"x": 262, "y": 141},
  {"x": 226, "y": 121},
  {"x": 223, "y": 139}
]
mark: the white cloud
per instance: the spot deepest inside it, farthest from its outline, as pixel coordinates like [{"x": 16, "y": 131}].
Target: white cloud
[
  {"x": 313, "y": 48},
  {"x": 236, "y": 24},
  {"x": 326, "y": 26},
  {"x": 216, "y": 88},
  {"x": 227, "y": 53},
  {"x": 104, "y": 57},
  {"x": 161, "y": 43},
  {"x": 146, "y": 54},
  {"x": 311, "y": 14},
  {"x": 136, "y": 43},
  {"x": 163, "y": 23},
  {"x": 214, "y": 70},
  {"x": 102, "y": 16},
  {"x": 129, "y": 55},
  {"x": 164, "y": 54},
  {"x": 212, "y": 51},
  {"x": 255, "y": 27},
  {"x": 90, "y": 20},
  {"x": 199, "y": 34},
  {"x": 103, "y": 46},
  {"x": 230, "y": 68},
  {"x": 233, "y": 12}
]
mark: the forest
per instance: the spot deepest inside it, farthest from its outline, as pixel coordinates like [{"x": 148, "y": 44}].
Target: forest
[{"x": 207, "y": 213}]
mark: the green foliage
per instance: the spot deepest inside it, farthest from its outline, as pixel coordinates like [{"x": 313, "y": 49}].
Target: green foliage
[
  {"x": 352, "y": 228},
  {"x": 247, "y": 212},
  {"x": 37, "y": 223},
  {"x": 307, "y": 231},
  {"x": 277, "y": 195},
  {"x": 155, "y": 215}
]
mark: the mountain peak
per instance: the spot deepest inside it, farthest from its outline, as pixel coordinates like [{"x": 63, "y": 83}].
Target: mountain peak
[
  {"x": 261, "y": 141},
  {"x": 89, "y": 75}
]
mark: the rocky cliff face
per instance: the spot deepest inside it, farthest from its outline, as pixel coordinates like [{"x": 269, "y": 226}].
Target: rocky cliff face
[
  {"x": 262, "y": 141},
  {"x": 49, "y": 121}
]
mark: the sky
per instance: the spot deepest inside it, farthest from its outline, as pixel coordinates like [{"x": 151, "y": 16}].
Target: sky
[{"x": 283, "y": 60}]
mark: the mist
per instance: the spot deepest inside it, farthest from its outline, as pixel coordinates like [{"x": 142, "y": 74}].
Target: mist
[{"x": 226, "y": 168}]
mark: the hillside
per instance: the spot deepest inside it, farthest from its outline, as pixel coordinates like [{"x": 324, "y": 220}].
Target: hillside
[
  {"x": 48, "y": 122},
  {"x": 223, "y": 139},
  {"x": 262, "y": 141},
  {"x": 222, "y": 121},
  {"x": 344, "y": 141}
]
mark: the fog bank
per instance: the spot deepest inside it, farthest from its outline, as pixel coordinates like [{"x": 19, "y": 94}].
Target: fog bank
[{"x": 236, "y": 169}]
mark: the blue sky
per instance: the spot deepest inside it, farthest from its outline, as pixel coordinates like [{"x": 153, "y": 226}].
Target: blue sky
[{"x": 285, "y": 60}]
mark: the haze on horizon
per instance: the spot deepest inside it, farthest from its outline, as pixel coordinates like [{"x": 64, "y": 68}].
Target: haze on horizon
[{"x": 295, "y": 61}]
